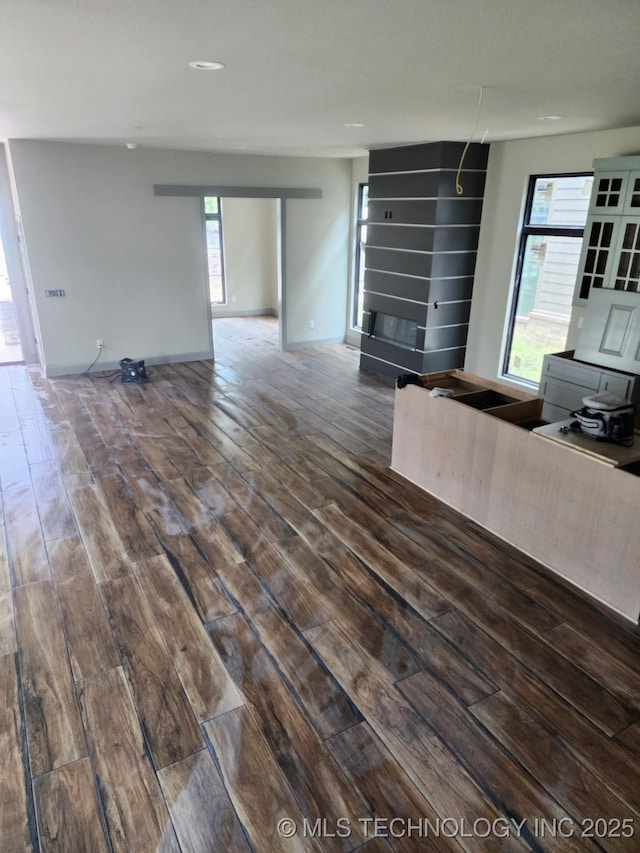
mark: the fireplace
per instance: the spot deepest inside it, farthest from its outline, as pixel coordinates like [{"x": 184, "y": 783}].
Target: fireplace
[{"x": 396, "y": 330}]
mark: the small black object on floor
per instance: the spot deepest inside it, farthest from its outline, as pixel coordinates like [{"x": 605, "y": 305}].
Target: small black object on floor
[{"x": 133, "y": 371}]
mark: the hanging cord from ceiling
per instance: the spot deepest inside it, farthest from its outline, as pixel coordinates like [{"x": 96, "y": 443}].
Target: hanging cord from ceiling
[{"x": 459, "y": 187}]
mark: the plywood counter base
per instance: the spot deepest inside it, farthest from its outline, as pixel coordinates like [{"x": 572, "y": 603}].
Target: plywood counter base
[{"x": 575, "y": 515}]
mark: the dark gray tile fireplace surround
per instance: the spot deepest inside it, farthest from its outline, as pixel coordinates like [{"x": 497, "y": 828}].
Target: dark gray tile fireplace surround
[{"x": 422, "y": 239}]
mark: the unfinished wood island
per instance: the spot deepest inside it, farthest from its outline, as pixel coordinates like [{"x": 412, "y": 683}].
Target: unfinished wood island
[{"x": 486, "y": 452}]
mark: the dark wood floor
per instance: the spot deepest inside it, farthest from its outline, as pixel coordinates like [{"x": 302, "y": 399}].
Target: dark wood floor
[{"x": 219, "y": 610}]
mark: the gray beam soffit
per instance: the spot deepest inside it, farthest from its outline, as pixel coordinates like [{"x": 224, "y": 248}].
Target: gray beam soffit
[{"x": 198, "y": 191}]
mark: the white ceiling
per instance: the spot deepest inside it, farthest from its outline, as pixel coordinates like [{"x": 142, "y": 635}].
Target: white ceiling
[{"x": 114, "y": 71}]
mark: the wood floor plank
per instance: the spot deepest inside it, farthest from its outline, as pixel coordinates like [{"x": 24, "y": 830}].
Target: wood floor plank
[
  {"x": 414, "y": 540},
  {"x": 267, "y": 517},
  {"x": 215, "y": 544},
  {"x": 205, "y": 453},
  {"x": 603, "y": 755},
  {"x": 564, "y": 676},
  {"x": 135, "y": 812},
  {"x": 56, "y": 517},
  {"x": 358, "y": 512},
  {"x": 383, "y": 784},
  {"x": 552, "y": 765},
  {"x": 356, "y": 615},
  {"x": 615, "y": 635},
  {"x": 420, "y": 594},
  {"x": 165, "y": 714},
  {"x": 68, "y": 812},
  {"x": 25, "y": 545},
  {"x": 154, "y": 456},
  {"x": 327, "y": 706},
  {"x": 320, "y": 786},
  {"x": 104, "y": 547},
  {"x": 14, "y": 463},
  {"x": 196, "y": 572},
  {"x": 297, "y": 598},
  {"x": 86, "y": 629},
  {"x": 418, "y": 514},
  {"x": 95, "y": 450},
  {"x": 262, "y": 806},
  {"x": 200, "y": 808},
  {"x": 491, "y": 761},
  {"x": 209, "y": 489},
  {"x": 284, "y": 468},
  {"x": 157, "y": 507},
  {"x": 73, "y": 463},
  {"x": 52, "y": 716},
  {"x": 191, "y": 509},
  {"x": 206, "y": 682},
  {"x": 232, "y": 452},
  {"x": 7, "y": 626},
  {"x": 450, "y": 790},
  {"x": 16, "y": 830},
  {"x": 133, "y": 528},
  {"x": 630, "y": 738},
  {"x": 427, "y": 644},
  {"x": 618, "y": 678},
  {"x": 300, "y": 518}
]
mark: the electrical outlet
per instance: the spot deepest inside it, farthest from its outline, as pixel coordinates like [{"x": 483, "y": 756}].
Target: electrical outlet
[
  {"x": 100, "y": 343},
  {"x": 233, "y": 297},
  {"x": 312, "y": 324}
]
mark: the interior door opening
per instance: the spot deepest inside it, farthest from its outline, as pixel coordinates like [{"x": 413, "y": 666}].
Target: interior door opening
[
  {"x": 243, "y": 250},
  {"x": 10, "y": 346}
]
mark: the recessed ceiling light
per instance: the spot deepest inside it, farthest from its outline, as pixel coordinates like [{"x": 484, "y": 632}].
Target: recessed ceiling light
[
  {"x": 131, "y": 145},
  {"x": 550, "y": 118},
  {"x": 206, "y": 66},
  {"x": 353, "y": 124}
]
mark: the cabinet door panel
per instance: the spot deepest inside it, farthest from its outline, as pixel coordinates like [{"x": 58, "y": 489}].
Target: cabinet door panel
[
  {"x": 608, "y": 193},
  {"x": 597, "y": 255},
  {"x": 564, "y": 395},
  {"x": 632, "y": 199},
  {"x": 610, "y": 335},
  {"x": 625, "y": 274},
  {"x": 568, "y": 370},
  {"x": 620, "y": 385}
]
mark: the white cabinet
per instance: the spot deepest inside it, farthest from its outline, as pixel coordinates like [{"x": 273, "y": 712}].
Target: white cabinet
[
  {"x": 610, "y": 257},
  {"x": 566, "y": 380}
]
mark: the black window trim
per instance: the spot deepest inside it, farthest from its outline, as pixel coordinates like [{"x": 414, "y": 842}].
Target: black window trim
[
  {"x": 360, "y": 221},
  {"x": 207, "y": 218},
  {"x": 526, "y": 231}
]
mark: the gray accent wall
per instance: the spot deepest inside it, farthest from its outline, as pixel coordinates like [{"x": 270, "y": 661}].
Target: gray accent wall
[{"x": 422, "y": 239}]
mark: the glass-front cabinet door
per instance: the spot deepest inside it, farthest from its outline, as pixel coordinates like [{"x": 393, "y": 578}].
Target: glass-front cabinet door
[
  {"x": 596, "y": 259},
  {"x": 609, "y": 192}
]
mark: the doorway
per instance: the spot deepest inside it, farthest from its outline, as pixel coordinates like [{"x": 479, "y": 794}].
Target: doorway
[
  {"x": 244, "y": 258},
  {"x": 10, "y": 346}
]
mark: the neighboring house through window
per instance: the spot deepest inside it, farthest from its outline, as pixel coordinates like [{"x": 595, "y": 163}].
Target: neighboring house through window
[
  {"x": 215, "y": 254},
  {"x": 549, "y": 252},
  {"x": 361, "y": 240}
]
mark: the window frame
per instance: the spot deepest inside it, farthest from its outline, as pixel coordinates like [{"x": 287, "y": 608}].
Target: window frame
[
  {"x": 208, "y": 217},
  {"x": 527, "y": 230},
  {"x": 359, "y": 255}
]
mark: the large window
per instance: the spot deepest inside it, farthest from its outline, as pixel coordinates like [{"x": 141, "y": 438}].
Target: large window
[
  {"x": 215, "y": 255},
  {"x": 361, "y": 241},
  {"x": 550, "y": 242}
]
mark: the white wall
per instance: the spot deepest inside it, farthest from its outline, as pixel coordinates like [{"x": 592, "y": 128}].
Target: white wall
[
  {"x": 510, "y": 165},
  {"x": 250, "y": 257},
  {"x": 15, "y": 267},
  {"x": 133, "y": 265}
]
